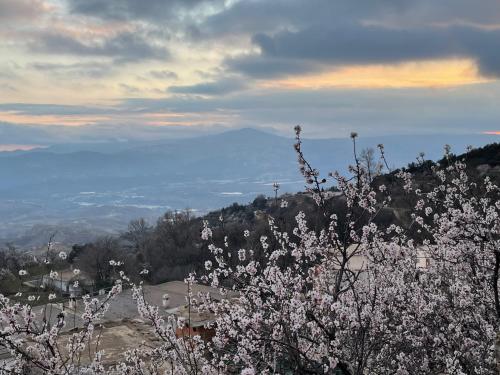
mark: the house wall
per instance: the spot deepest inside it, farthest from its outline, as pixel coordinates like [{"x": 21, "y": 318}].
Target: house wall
[{"x": 205, "y": 333}]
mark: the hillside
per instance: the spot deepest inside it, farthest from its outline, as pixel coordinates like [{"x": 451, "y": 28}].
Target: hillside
[{"x": 172, "y": 247}]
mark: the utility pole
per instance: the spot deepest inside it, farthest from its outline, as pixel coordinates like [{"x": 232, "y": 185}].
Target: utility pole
[{"x": 276, "y": 187}]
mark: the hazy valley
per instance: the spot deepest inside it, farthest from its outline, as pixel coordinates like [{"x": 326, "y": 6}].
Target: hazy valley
[{"x": 83, "y": 190}]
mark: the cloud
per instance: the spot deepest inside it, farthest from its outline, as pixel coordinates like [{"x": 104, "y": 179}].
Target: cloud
[
  {"x": 129, "y": 89},
  {"x": 123, "y": 47},
  {"x": 158, "y": 10},
  {"x": 297, "y": 36},
  {"x": 53, "y": 134},
  {"x": 7, "y": 74},
  {"x": 53, "y": 109},
  {"x": 91, "y": 69},
  {"x": 215, "y": 18},
  {"x": 7, "y": 87},
  {"x": 250, "y": 17},
  {"x": 258, "y": 66},
  {"x": 324, "y": 112},
  {"x": 163, "y": 74},
  {"x": 220, "y": 87},
  {"x": 346, "y": 45},
  {"x": 236, "y": 48},
  {"x": 294, "y": 36},
  {"x": 314, "y": 48},
  {"x": 335, "y": 112},
  {"x": 16, "y": 10}
]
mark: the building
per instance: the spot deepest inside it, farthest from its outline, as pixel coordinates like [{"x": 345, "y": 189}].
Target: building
[
  {"x": 195, "y": 323},
  {"x": 65, "y": 282}
]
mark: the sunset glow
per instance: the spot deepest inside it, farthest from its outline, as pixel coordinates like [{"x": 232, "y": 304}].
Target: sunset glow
[
  {"x": 8, "y": 147},
  {"x": 435, "y": 74},
  {"x": 211, "y": 63},
  {"x": 67, "y": 120}
]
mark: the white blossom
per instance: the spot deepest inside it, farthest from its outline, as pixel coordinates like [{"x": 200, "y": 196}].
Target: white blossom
[{"x": 420, "y": 300}]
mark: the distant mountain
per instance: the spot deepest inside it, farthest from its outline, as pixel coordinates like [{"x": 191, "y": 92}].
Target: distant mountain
[{"x": 104, "y": 185}]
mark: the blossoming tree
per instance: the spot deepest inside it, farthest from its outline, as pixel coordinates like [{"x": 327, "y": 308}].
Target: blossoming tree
[{"x": 352, "y": 296}]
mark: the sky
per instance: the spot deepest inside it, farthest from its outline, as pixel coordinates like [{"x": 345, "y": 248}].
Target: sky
[{"x": 134, "y": 69}]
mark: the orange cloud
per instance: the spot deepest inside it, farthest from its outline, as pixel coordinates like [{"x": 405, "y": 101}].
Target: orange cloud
[
  {"x": 14, "y": 147},
  {"x": 188, "y": 119},
  {"x": 89, "y": 31},
  {"x": 443, "y": 73},
  {"x": 492, "y": 132},
  {"x": 68, "y": 120},
  {"x": 163, "y": 115},
  {"x": 151, "y": 118}
]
